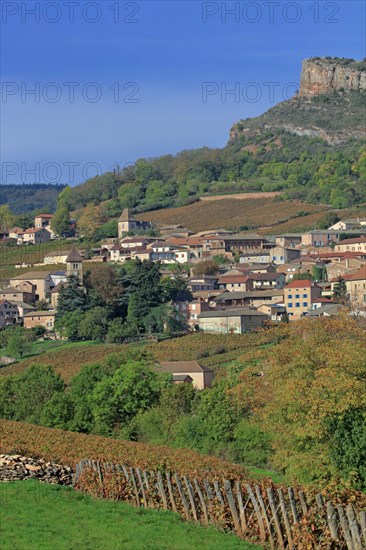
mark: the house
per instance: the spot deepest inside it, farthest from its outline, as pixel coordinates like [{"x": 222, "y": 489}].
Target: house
[
  {"x": 162, "y": 252},
  {"x": 346, "y": 225},
  {"x": 303, "y": 266},
  {"x": 275, "y": 312},
  {"x": 326, "y": 310},
  {"x": 356, "y": 287},
  {"x": 320, "y": 237},
  {"x": 202, "y": 377},
  {"x": 289, "y": 240},
  {"x": 34, "y": 235},
  {"x": 282, "y": 255},
  {"x": 233, "y": 281},
  {"x": 352, "y": 245},
  {"x": 43, "y": 220},
  {"x": 15, "y": 232},
  {"x": 55, "y": 292},
  {"x": 196, "y": 245},
  {"x": 261, "y": 257},
  {"x": 118, "y": 253},
  {"x": 203, "y": 282},
  {"x": 8, "y": 313},
  {"x": 194, "y": 309},
  {"x": 135, "y": 242},
  {"x": 22, "y": 308},
  {"x": 231, "y": 321},
  {"x": 174, "y": 230},
  {"x": 322, "y": 301},
  {"x": 338, "y": 269},
  {"x": 264, "y": 281},
  {"x": 252, "y": 298},
  {"x": 42, "y": 281},
  {"x": 244, "y": 242},
  {"x": 299, "y": 297},
  {"x": 127, "y": 222},
  {"x": 44, "y": 319},
  {"x": 255, "y": 268},
  {"x": 23, "y": 292}
]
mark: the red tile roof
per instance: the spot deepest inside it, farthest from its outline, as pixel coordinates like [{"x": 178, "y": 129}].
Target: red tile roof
[
  {"x": 300, "y": 283},
  {"x": 188, "y": 241},
  {"x": 233, "y": 279},
  {"x": 345, "y": 277},
  {"x": 358, "y": 240},
  {"x": 44, "y": 216},
  {"x": 359, "y": 275}
]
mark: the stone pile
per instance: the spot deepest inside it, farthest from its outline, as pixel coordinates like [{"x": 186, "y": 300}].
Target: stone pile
[{"x": 17, "y": 467}]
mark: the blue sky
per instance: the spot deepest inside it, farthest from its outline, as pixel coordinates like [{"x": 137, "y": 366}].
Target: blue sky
[{"x": 167, "y": 55}]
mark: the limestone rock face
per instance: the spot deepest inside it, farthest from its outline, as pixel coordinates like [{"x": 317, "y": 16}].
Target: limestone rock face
[{"x": 321, "y": 76}]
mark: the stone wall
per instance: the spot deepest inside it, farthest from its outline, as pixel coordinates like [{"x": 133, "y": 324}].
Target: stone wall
[{"x": 17, "y": 467}]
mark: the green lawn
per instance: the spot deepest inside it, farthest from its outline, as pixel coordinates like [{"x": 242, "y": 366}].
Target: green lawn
[{"x": 36, "y": 516}]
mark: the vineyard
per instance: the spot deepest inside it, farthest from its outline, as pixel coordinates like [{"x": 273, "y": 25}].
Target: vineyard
[
  {"x": 66, "y": 362},
  {"x": 213, "y": 351},
  {"x": 70, "y": 447},
  {"x": 232, "y": 213}
]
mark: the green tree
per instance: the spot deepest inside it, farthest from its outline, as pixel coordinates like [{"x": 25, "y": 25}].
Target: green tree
[
  {"x": 60, "y": 222},
  {"x": 115, "y": 401},
  {"x": 145, "y": 293},
  {"x": 176, "y": 286},
  {"x": 347, "y": 447},
  {"x": 26, "y": 394},
  {"x": 6, "y": 218},
  {"x": 328, "y": 220},
  {"x": 94, "y": 323},
  {"x": 58, "y": 411},
  {"x": 251, "y": 445},
  {"x": 340, "y": 291},
  {"x": 18, "y": 343},
  {"x": 68, "y": 325},
  {"x": 71, "y": 297},
  {"x": 208, "y": 267},
  {"x": 82, "y": 386}
]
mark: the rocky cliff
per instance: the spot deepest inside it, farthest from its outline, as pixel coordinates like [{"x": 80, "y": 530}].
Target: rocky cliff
[
  {"x": 330, "y": 106},
  {"x": 325, "y": 75}
]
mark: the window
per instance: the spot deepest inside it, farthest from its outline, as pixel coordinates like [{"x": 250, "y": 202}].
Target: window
[
  {"x": 305, "y": 304},
  {"x": 297, "y": 304},
  {"x": 304, "y": 295},
  {"x": 289, "y": 304},
  {"x": 289, "y": 296},
  {"x": 297, "y": 295}
]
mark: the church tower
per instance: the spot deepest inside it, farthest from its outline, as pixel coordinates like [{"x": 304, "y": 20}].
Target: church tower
[{"x": 74, "y": 264}]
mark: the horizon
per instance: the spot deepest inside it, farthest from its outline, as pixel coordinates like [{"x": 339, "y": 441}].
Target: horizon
[{"x": 128, "y": 69}]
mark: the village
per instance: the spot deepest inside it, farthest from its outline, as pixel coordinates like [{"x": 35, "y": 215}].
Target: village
[{"x": 238, "y": 282}]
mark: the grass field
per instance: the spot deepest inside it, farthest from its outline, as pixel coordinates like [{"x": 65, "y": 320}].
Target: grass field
[
  {"x": 231, "y": 213},
  {"x": 37, "y": 516}
]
